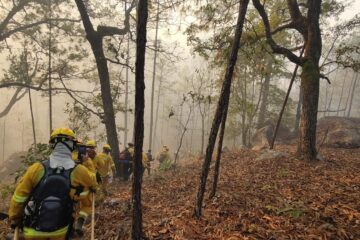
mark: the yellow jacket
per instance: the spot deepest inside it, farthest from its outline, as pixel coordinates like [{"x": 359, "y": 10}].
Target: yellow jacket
[
  {"x": 104, "y": 164},
  {"x": 79, "y": 177},
  {"x": 145, "y": 159},
  {"x": 90, "y": 165}
]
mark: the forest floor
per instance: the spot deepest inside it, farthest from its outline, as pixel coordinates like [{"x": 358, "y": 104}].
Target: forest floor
[{"x": 282, "y": 198}]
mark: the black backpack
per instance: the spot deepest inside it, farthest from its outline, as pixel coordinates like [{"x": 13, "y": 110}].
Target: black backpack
[{"x": 50, "y": 206}]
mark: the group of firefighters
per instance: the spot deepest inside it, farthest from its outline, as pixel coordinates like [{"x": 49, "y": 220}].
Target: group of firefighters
[{"x": 54, "y": 198}]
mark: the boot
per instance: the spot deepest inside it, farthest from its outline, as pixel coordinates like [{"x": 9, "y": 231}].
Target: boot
[{"x": 79, "y": 226}]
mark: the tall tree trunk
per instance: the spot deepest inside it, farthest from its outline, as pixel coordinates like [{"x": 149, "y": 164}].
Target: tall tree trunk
[
  {"x": 298, "y": 112},
  {"x": 243, "y": 116},
  {"x": 4, "y": 141},
  {"x": 341, "y": 94},
  {"x": 95, "y": 40},
  {"x": 266, "y": 87},
  {"x": 352, "y": 94},
  {"x": 218, "y": 156},
  {"x": 157, "y": 111},
  {"x": 142, "y": 15},
  {"x": 284, "y": 103},
  {"x": 126, "y": 89},
  {"x": 154, "y": 76},
  {"x": 310, "y": 81},
  {"x": 50, "y": 70},
  {"x": 182, "y": 135},
  {"x": 32, "y": 117},
  {"x": 349, "y": 94},
  {"x": 223, "y": 101},
  {"x": 202, "y": 131}
]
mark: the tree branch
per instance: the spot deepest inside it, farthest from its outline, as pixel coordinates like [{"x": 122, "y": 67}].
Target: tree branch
[
  {"x": 78, "y": 101},
  {"x": 275, "y": 47},
  {"x": 111, "y": 31},
  {"x": 15, "y": 98}
]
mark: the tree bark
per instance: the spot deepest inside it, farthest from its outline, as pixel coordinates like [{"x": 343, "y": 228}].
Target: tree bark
[
  {"x": 223, "y": 101},
  {"x": 218, "y": 157},
  {"x": 298, "y": 112},
  {"x": 153, "y": 77},
  {"x": 310, "y": 30},
  {"x": 95, "y": 40},
  {"x": 266, "y": 86},
  {"x": 142, "y": 15},
  {"x": 310, "y": 81}
]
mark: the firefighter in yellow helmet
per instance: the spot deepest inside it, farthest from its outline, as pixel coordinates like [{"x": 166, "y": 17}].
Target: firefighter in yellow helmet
[
  {"x": 42, "y": 210},
  {"x": 91, "y": 153},
  {"x": 105, "y": 165}
]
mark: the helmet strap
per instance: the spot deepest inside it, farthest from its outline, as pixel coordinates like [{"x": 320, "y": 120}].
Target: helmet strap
[{"x": 66, "y": 145}]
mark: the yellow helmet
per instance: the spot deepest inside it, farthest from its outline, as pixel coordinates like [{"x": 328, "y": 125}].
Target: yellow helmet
[
  {"x": 107, "y": 146},
  {"x": 90, "y": 143},
  {"x": 61, "y": 135}
]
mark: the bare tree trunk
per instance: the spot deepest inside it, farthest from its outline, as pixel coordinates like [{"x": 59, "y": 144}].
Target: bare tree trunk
[
  {"x": 285, "y": 102},
  {"x": 264, "y": 101},
  {"x": 4, "y": 135},
  {"x": 349, "y": 94},
  {"x": 341, "y": 94},
  {"x": 243, "y": 116},
  {"x": 157, "y": 110},
  {"x": 32, "y": 117},
  {"x": 352, "y": 94},
  {"x": 202, "y": 132},
  {"x": 298, "y": 112},
  {"x": 50, "y": 70},
  {"x": 142, "y": 15},
  {"x": 223, "y": 101},
  {"x": 182, "y": 136},
  {"x": 153, "y": 76},
  {"x": 218, "y": 157},
  {"x": 126, "y": 89}
]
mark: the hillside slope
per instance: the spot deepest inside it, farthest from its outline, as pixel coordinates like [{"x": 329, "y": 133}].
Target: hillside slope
[
  {"x": 257, "y": 199},
  {"x": 281, "y": 198}
]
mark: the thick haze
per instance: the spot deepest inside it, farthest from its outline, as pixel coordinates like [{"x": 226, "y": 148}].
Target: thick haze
[{"x": 16, "y": 131}]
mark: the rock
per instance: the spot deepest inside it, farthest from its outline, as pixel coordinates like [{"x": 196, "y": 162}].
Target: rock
[
  {"x": 339, "y": 132},
  {"x": 263, "y": 136},
  {"x": 271, "y": 154}
]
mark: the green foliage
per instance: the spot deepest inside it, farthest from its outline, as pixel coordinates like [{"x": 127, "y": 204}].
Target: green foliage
[
  {"x": 6, "y": 190},
  {"x": 166, "y": 165},
  {"x": 35, "y": 153}
]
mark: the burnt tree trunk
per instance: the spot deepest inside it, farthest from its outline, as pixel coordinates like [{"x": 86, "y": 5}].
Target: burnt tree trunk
[
  {"x": 218, "y": 156},
  {"x": 298, "y": 112},
  {"x": 142, "y": 15},
  {"x": 95, "y": 39},
  {"x": 310, "y": 83},
  {"x": 223, "y": 101}
]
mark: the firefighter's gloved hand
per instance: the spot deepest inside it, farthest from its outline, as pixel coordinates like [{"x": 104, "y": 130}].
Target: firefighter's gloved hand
[{"x": 14, "y": 223}]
